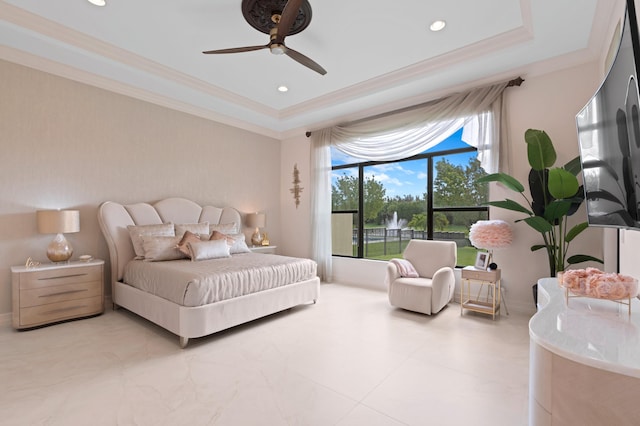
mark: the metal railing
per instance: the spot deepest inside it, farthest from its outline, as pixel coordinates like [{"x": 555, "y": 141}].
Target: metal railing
[{"x": 394, "y": 240}]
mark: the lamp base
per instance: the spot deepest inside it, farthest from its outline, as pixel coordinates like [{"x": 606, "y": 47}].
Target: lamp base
[
  {"x": 256, "y": 238},
  {"x": 59, "y": 250}
]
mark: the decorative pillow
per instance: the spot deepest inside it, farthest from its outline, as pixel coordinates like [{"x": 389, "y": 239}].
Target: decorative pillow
[
  {"x": 212, "y": 249},
  {"x": 239, "y": 244},
  {"x": 188, "y": 237},
  {"x": 225, "y": 228},
  {"x": 138, "y": 231},
  {"x": 405, "y": 268},
  {"x": 201, "y": 229},
  {"x": 236, "y": 242},
  {"x": 217, "y": 235},
  {"x": 161, "y": 248}
]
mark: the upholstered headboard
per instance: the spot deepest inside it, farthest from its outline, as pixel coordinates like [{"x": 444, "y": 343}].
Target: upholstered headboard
[{"x": 114, "y": 219}]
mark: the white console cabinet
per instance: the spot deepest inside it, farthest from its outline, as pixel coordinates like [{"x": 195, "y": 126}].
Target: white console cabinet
[{"x": 584, "y": 363}]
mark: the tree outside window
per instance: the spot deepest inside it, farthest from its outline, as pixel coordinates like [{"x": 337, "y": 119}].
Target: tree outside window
[{"x": 389, "y": 203}]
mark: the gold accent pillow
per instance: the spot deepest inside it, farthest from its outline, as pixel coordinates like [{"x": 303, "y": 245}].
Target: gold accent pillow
[
  {"x": 138, "y": 231},
  {"x": 201, "y": 229},
  {"x": 157, "y": 249}
]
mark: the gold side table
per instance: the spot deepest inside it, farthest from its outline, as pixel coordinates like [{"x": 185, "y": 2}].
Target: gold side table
[{"x": 489, "y": 303}]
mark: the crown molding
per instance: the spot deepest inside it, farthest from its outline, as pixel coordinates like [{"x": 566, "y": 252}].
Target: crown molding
[
  {"x": 84, "y": 77},
  {"x": 67, "y": 36},
  {"x": 417, "y": 71}
]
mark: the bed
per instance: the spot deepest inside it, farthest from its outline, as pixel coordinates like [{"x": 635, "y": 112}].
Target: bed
[{"x": 259, "y": 287}]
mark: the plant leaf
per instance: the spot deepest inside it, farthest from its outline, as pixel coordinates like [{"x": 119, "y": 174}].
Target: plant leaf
[
  {"x": 511, "y": 205},
  {"x": 556, "y": 209},
  {"x": 576, "y": 201},
  {"x": 503, "y": 178},
  {"x": 578, "y": 258},
  {"x": 562, "y": 184},
  {"x": 538, "y": 247},
  {"x": 540, "y": 151},
  {"x": 539, "y": 190},
  {"x": 575, "y": 231},
  {"x": 574, "y": 166},
  {"x": 539, "y": 224}
]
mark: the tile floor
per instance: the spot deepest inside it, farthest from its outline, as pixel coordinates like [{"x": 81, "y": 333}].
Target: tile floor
[{"x": 351, "y": 359}]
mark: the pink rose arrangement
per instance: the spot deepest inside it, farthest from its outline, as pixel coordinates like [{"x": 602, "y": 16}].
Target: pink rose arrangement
[{"x": 593, "y": 282}]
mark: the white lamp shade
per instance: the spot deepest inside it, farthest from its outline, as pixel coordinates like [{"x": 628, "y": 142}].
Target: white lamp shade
[
  {"x": 58, "y": 221},
  {"x": 256, "y": 220}
]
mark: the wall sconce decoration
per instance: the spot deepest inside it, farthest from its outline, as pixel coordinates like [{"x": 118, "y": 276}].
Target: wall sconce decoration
[
  {"x": 297, "y": 189},
  {"x": 58, "y": 222}
]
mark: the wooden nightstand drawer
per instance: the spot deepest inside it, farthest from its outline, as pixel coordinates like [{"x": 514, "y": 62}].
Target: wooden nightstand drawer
[
  {"x": 53, "y": 277},
  {"x": 472, "y": 273},
  {"x": 59, "y": 293},
  {"x": 60, "y": 311},
  {"x": 56, "y": 292}
]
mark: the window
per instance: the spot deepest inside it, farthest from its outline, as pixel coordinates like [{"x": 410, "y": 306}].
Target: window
[{"x": 377, "y": 207}]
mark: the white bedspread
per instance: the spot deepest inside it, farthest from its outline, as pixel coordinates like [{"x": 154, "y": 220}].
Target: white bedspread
[{"x": 199, "y": 283}]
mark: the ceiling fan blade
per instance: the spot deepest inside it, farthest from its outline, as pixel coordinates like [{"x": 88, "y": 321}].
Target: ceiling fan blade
[
  {"x": 237, "y": 49},
  {"x": 287, "y": 18},
  {"x": 307, "y": 62}
]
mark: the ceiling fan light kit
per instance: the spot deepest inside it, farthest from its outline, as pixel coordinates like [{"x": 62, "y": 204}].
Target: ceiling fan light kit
[
  {"x": 277, "y": 49},
  {"x": 279, "y": 19}
]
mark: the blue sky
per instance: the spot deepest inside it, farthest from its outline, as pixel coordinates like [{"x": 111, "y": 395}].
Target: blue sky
[{"x": 408, "y": 177}]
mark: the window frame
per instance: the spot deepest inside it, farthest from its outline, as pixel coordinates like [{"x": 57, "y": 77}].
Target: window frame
[{"x": 430, "y": 210}]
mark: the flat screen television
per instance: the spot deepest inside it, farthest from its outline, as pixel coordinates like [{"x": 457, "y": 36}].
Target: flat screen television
[{"x": 609, "y": 137}]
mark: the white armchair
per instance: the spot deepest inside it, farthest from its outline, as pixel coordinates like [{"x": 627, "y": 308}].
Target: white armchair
[{"x": 433, "y": 289}]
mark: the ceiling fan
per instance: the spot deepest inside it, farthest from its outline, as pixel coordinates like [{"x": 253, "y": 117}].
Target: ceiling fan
[{"x": 278, "y": 18}]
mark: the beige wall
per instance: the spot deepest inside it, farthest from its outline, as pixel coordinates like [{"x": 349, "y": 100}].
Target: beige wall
[
  {"x": 296, "y": 230},
  {"x": 548, "y": 102},
  {"x": 69, "y": 145}
]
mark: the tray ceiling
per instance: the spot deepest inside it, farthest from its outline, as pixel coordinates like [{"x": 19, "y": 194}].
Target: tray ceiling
[{"x": 378, "y": 56}]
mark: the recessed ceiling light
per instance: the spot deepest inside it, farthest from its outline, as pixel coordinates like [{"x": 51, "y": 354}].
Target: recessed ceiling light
[
  {"x": 283, "y": 89},
  {"x": 437, "y": 25},
  {"x": 98, "y": 2}
]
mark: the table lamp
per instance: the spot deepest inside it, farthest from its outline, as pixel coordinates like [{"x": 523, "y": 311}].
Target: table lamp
[
  {"x": 257, "y": 221},
  {"x": 490, "y": 235},
  {"x": 58, "y": 222}
]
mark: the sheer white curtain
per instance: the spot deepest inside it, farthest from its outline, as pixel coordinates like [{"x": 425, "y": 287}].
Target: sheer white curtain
[
  {"x": 410, "y": 132},
  {"x": 321, "y": 202},
  {"x": 400, "y": 135}
]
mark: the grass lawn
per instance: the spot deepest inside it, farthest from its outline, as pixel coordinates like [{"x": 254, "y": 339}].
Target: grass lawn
[{"x": 466, "y": 255}]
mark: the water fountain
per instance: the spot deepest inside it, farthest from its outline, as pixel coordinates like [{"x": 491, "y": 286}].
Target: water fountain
[{"x": 396, "y": 223}]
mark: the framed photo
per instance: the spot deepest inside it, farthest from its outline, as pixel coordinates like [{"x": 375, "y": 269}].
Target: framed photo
[{"x": 482, "y": 260}]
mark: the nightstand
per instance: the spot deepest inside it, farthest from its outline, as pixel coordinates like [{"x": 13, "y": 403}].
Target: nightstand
[
  {"x": 490, "y": 304},
  {"x": 50, "y": 293},
  {"x": 263, "y": 249}
]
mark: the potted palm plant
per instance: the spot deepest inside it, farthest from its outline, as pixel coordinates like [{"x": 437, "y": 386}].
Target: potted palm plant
[{"x": 555, "y": 194}]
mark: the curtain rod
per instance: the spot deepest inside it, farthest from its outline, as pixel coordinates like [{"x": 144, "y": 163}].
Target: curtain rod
[{"x": 515, "y": 82}]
